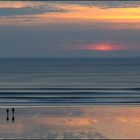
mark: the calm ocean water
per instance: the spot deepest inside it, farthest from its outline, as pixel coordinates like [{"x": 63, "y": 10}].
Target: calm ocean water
[{"x": 53, "y": 81}]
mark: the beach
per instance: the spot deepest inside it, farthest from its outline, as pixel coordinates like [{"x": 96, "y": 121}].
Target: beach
[
  {"x": 69, "y": 69},
  {"x": 71, "y": 122}
]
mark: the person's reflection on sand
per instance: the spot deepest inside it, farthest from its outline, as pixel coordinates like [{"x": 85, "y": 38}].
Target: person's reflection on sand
[
  {"x": 7, "y": 118},
  {"x": 13, "y": 118},
  {"x": 7, "y": 111}
]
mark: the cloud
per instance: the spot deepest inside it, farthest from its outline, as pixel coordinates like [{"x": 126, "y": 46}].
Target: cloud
[
  {"x": 30, "y": 9},
  {"x": 107, "y": 4},
  {"x": 33, "y": 8}
]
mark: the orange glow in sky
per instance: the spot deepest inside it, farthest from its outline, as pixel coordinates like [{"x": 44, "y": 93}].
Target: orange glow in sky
[
  {"x": 75, "y": 13},
  {"x": 94, "y": 14},
  {"x": 14, "y": 5}
]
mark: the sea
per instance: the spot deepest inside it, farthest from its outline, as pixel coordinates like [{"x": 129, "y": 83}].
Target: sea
[{"x": 69, "y": 81}]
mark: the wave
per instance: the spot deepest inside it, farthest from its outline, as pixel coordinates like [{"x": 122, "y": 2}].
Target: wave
[
  {"x": 69, "y": 96},
  {"x": 71, "y": 88}
]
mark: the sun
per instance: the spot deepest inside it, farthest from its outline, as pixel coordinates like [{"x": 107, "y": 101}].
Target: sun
[{"x": 104, "y": 47}]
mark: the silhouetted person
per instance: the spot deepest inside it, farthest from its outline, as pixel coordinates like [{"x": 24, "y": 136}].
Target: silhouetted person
[
  {"x": 13, "y": 113},
  {"x": 13, "y": 118},
  {"x": 13, "y": 110},
  {"x": 7, "y": 111}
]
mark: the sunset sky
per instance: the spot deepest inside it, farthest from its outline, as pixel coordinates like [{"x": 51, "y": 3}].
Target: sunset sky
[{"x": 70, "y": 29}]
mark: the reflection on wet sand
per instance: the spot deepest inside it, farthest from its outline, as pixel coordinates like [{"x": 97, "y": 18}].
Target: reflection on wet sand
[{"x": 73, "y": 122}]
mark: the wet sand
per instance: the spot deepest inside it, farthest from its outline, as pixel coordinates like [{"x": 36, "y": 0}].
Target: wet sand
[{"x": 85, "y": 122}]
